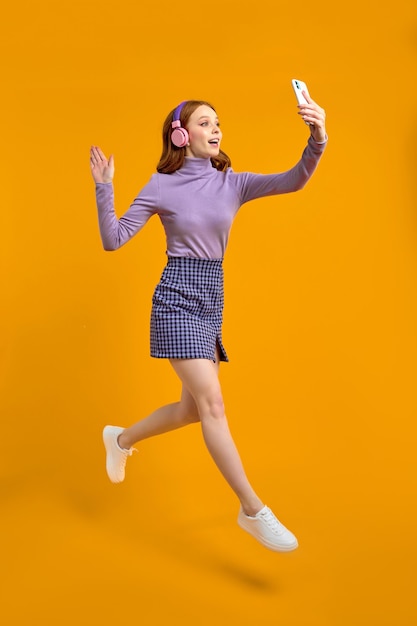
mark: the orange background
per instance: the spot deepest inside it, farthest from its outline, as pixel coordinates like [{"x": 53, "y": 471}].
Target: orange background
[{"x": 320, "y": 318}]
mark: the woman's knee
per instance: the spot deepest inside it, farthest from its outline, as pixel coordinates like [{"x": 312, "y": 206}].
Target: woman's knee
[{"x": 212, "y": 407}]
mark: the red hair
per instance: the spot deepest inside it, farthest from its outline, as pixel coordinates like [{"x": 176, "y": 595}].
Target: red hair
[{"x": 172, "y": 158}]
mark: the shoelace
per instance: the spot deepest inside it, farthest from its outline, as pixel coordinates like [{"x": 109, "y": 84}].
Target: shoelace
[
  {"x": 272, "y": 522},
  {"x": 125, "y": 454}
]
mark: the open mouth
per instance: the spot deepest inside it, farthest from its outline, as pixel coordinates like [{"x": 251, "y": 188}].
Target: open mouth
[{"x": 214, "y": 142}]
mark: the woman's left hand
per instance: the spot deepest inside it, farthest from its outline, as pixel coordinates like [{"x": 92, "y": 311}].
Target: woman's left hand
[{"x": 315, "y": 116}]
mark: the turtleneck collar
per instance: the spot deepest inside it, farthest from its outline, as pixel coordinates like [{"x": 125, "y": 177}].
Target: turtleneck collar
[{"x": 196, "y": 167}]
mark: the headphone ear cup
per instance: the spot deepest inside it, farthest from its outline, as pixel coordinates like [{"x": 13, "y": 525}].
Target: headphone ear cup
[{"x": 179, "y": 137}]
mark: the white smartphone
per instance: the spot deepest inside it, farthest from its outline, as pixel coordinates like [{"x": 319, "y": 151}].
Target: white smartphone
[{"x": 299, "y": 87}]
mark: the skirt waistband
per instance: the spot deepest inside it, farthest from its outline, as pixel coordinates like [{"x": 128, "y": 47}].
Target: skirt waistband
[{"x": 190, "y": 260}]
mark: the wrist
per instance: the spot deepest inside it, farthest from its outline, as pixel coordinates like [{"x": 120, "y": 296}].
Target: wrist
[{"x": 321, "y": 138}]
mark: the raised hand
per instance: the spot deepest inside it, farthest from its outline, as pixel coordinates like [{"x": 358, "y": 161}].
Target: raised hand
[
  {"x": 101, "y": 168},
  {"x": 315, "y": 116}
]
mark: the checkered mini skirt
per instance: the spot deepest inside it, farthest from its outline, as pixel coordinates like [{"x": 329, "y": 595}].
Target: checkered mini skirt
[{"x": 187, "y": 310}]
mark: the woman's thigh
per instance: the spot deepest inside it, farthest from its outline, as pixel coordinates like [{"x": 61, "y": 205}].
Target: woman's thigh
[{"x": 200, "y": 380}]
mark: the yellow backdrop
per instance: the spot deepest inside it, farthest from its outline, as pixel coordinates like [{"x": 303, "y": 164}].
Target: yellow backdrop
[{"x": 320, "y": 318}]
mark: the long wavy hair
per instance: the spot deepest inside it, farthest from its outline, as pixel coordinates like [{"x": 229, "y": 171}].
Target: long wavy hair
[{"x": 172, "y": 158}]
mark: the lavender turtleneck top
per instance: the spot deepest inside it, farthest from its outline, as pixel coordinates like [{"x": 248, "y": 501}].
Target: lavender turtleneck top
[{"x": 197, "y": 203}]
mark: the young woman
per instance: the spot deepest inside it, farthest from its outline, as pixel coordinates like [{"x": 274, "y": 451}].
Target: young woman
[{"x": 196, "y": 195}]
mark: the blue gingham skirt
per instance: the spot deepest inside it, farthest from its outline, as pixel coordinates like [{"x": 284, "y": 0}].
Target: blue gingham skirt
[{"x": 187, "y": 310}]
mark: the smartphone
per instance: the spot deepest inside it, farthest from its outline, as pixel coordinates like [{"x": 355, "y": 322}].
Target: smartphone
[{"x": 299, "y": 87}]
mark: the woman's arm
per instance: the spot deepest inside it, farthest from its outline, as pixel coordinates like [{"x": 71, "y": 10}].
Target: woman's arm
[
  {"x": 253, "y": 186},
  {"x": 116, "y": 232}
]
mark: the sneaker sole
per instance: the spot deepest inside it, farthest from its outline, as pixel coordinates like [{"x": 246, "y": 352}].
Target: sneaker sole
[{"x": 108, "y": 442}]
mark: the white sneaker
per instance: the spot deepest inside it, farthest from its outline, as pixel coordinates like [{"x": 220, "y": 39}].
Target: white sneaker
[
  {"x": 265, "y": 527},
  {"x": 116, "y": 456}
]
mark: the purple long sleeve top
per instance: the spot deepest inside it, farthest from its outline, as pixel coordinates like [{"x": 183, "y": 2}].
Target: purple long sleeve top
[{"x": 197, "y": 203}]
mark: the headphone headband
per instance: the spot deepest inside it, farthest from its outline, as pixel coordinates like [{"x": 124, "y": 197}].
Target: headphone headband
[{"x": 177, "y": 112}]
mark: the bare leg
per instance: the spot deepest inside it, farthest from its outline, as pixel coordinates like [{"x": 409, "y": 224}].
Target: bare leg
[
  {"x": 165, "y": 419},
  {"x": 200, "y": 377},
  {"x": 201, "y": 400}
]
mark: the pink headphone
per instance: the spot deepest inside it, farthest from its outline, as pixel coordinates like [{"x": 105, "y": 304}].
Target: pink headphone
[{"x": 179, "y": 135}]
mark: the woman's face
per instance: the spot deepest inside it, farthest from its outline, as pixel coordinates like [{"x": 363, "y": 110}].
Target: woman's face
[{"x": 204, "y": 134}]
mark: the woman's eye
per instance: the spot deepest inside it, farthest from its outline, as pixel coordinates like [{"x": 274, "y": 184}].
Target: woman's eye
[{"x": 207, "y": 123}]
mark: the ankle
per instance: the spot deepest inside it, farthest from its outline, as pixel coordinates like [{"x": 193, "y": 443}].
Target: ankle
[
  {"x": 122, "y": 443},
  {"x": 252, "y": 508}
]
